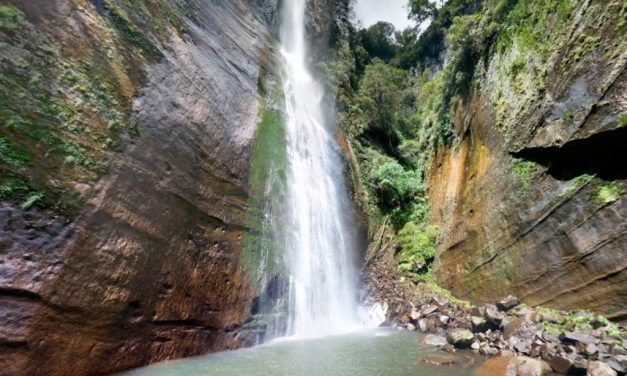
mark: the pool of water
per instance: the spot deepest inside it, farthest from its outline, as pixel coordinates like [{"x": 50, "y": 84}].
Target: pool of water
[{"x": 365, "y": 353}]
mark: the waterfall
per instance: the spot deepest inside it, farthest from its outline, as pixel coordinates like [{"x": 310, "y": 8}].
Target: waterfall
[{"x": 320, "y": 236}]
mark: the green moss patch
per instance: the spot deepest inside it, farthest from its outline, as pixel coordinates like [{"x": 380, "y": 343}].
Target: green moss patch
[
  {"x": 263, "y": 246},
  {"x": 609, "y": 192},
  {"x": 10, "y": 17}
]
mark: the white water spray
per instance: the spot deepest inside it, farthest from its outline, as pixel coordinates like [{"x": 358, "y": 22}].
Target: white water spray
[{"x": 320, "y": 235}]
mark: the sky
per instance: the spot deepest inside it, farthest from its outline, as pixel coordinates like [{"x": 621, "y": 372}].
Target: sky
[{"x": 393, "y": 11}]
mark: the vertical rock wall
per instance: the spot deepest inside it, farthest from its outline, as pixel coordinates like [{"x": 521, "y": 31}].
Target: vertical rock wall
[
  {"x": 532, "y": 201},
  {"x": 150, "y": 267}
]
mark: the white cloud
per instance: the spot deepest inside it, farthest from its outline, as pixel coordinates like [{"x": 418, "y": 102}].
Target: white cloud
[{"x": 393, "y": 11}]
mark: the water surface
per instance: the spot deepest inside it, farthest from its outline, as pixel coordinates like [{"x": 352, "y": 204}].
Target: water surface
[{"x": 365, "y": 353}]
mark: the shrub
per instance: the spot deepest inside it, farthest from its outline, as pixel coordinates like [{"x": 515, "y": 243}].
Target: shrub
[
  {"x": 396, "y": 186},
  {"x": 418, "y": 247}
]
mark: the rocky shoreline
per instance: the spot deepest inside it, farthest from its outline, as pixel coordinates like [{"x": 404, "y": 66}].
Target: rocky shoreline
[{"x": 521, "y": 341}]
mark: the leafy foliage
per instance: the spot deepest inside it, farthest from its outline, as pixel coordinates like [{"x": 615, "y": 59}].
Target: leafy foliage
[
  {"x": 379, "y": 100},
  {"x": 395, "y": 185},
  {"x": 422, "y": 10},
  {"x": 418, "y": 247},
  {"x": 378, "y": 40}
]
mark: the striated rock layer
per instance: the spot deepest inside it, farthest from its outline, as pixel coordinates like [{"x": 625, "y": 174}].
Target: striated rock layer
[
  {"x": 537, "y": 208},
  {"x": 150, "y": 268}
]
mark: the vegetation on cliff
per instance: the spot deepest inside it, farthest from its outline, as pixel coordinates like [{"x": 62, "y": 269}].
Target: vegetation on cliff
[
  {"x": 66, "y": 107},
  {"x": 403, "y": 96}
]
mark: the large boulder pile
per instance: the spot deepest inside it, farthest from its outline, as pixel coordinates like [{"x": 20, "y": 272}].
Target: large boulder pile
[{"x": 575, "y": 343}]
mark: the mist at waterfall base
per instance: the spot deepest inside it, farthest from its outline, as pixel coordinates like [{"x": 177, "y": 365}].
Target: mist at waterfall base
[{"x": 321, "y": 240}]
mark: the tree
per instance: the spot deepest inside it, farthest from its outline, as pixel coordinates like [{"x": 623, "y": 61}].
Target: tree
[
  {"x": 378, "y": 40},
  {"x": 406, "y": 56},
  {"x": 422, "y": 10},
  {"x": 380, "y": 99}
]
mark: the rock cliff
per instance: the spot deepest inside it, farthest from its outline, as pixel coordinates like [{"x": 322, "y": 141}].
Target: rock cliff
[
  {"x": 486, "y": 153},
  {"x": 126, "y": 136},
  {"x": 531, "y": 201}
]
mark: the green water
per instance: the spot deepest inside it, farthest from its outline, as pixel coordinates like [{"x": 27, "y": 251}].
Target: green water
[{"x": 366, "y": 353}]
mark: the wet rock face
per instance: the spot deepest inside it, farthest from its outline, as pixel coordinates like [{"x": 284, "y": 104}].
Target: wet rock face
[
  {"x": 150, "y": 269},
  {"x": 522, "y": 209}
]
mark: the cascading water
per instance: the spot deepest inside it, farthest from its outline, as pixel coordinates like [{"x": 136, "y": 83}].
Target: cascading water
[{"x": 320, "y": 236}]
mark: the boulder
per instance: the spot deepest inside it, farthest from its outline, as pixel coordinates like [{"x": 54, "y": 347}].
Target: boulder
[
  {"x": 513, "y": 366},
  {"x": 460, "y": 338},
  {"x": 493, "y": 316},
  {"x": 414, "y": 316},
  {"x": 560, "y": 364},
  {"x": 478, "y": 324},
  {"x": 617, "y": 362},
  {"x": 508, "y": 303},
  {"x": 600, "y": 369},
  {"x": 429, "y": 309},
  {"x": 428, "y": 325},
  {"x": 571, "y": 338},
  {"x": 411, "y": 327},
  {"x": 511, "y": 327}
]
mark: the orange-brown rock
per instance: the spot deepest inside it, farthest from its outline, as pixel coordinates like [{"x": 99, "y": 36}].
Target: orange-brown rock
[{"x": 513, "y": 366}]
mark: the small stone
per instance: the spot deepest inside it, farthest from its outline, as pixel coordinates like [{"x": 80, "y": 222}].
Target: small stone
[
  {"x": 429, "y": 309},
  {"x": 550, "y": 337},
  {"x": 488, "y": 350},
  {"x": 440, "y": 301},
  {"x": 569, "y": 349},
  {"x": 444, "y": 319},
  {"x": 477, "y": 311},
  {"x": 547, "y": 317},
  {"x": 600, "y": 369},
  {"x": 522, "y": 347},
  {"x": 411, "y": 327},
  {"x": 423, "y": 324},
  {"x": 508, "y": 303},
  {"x": 475, "y": 345},
  {"x": 591, "y": 349},
  {"x": 414, "y": 315},
  {"x": 460, "y": 338}
]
